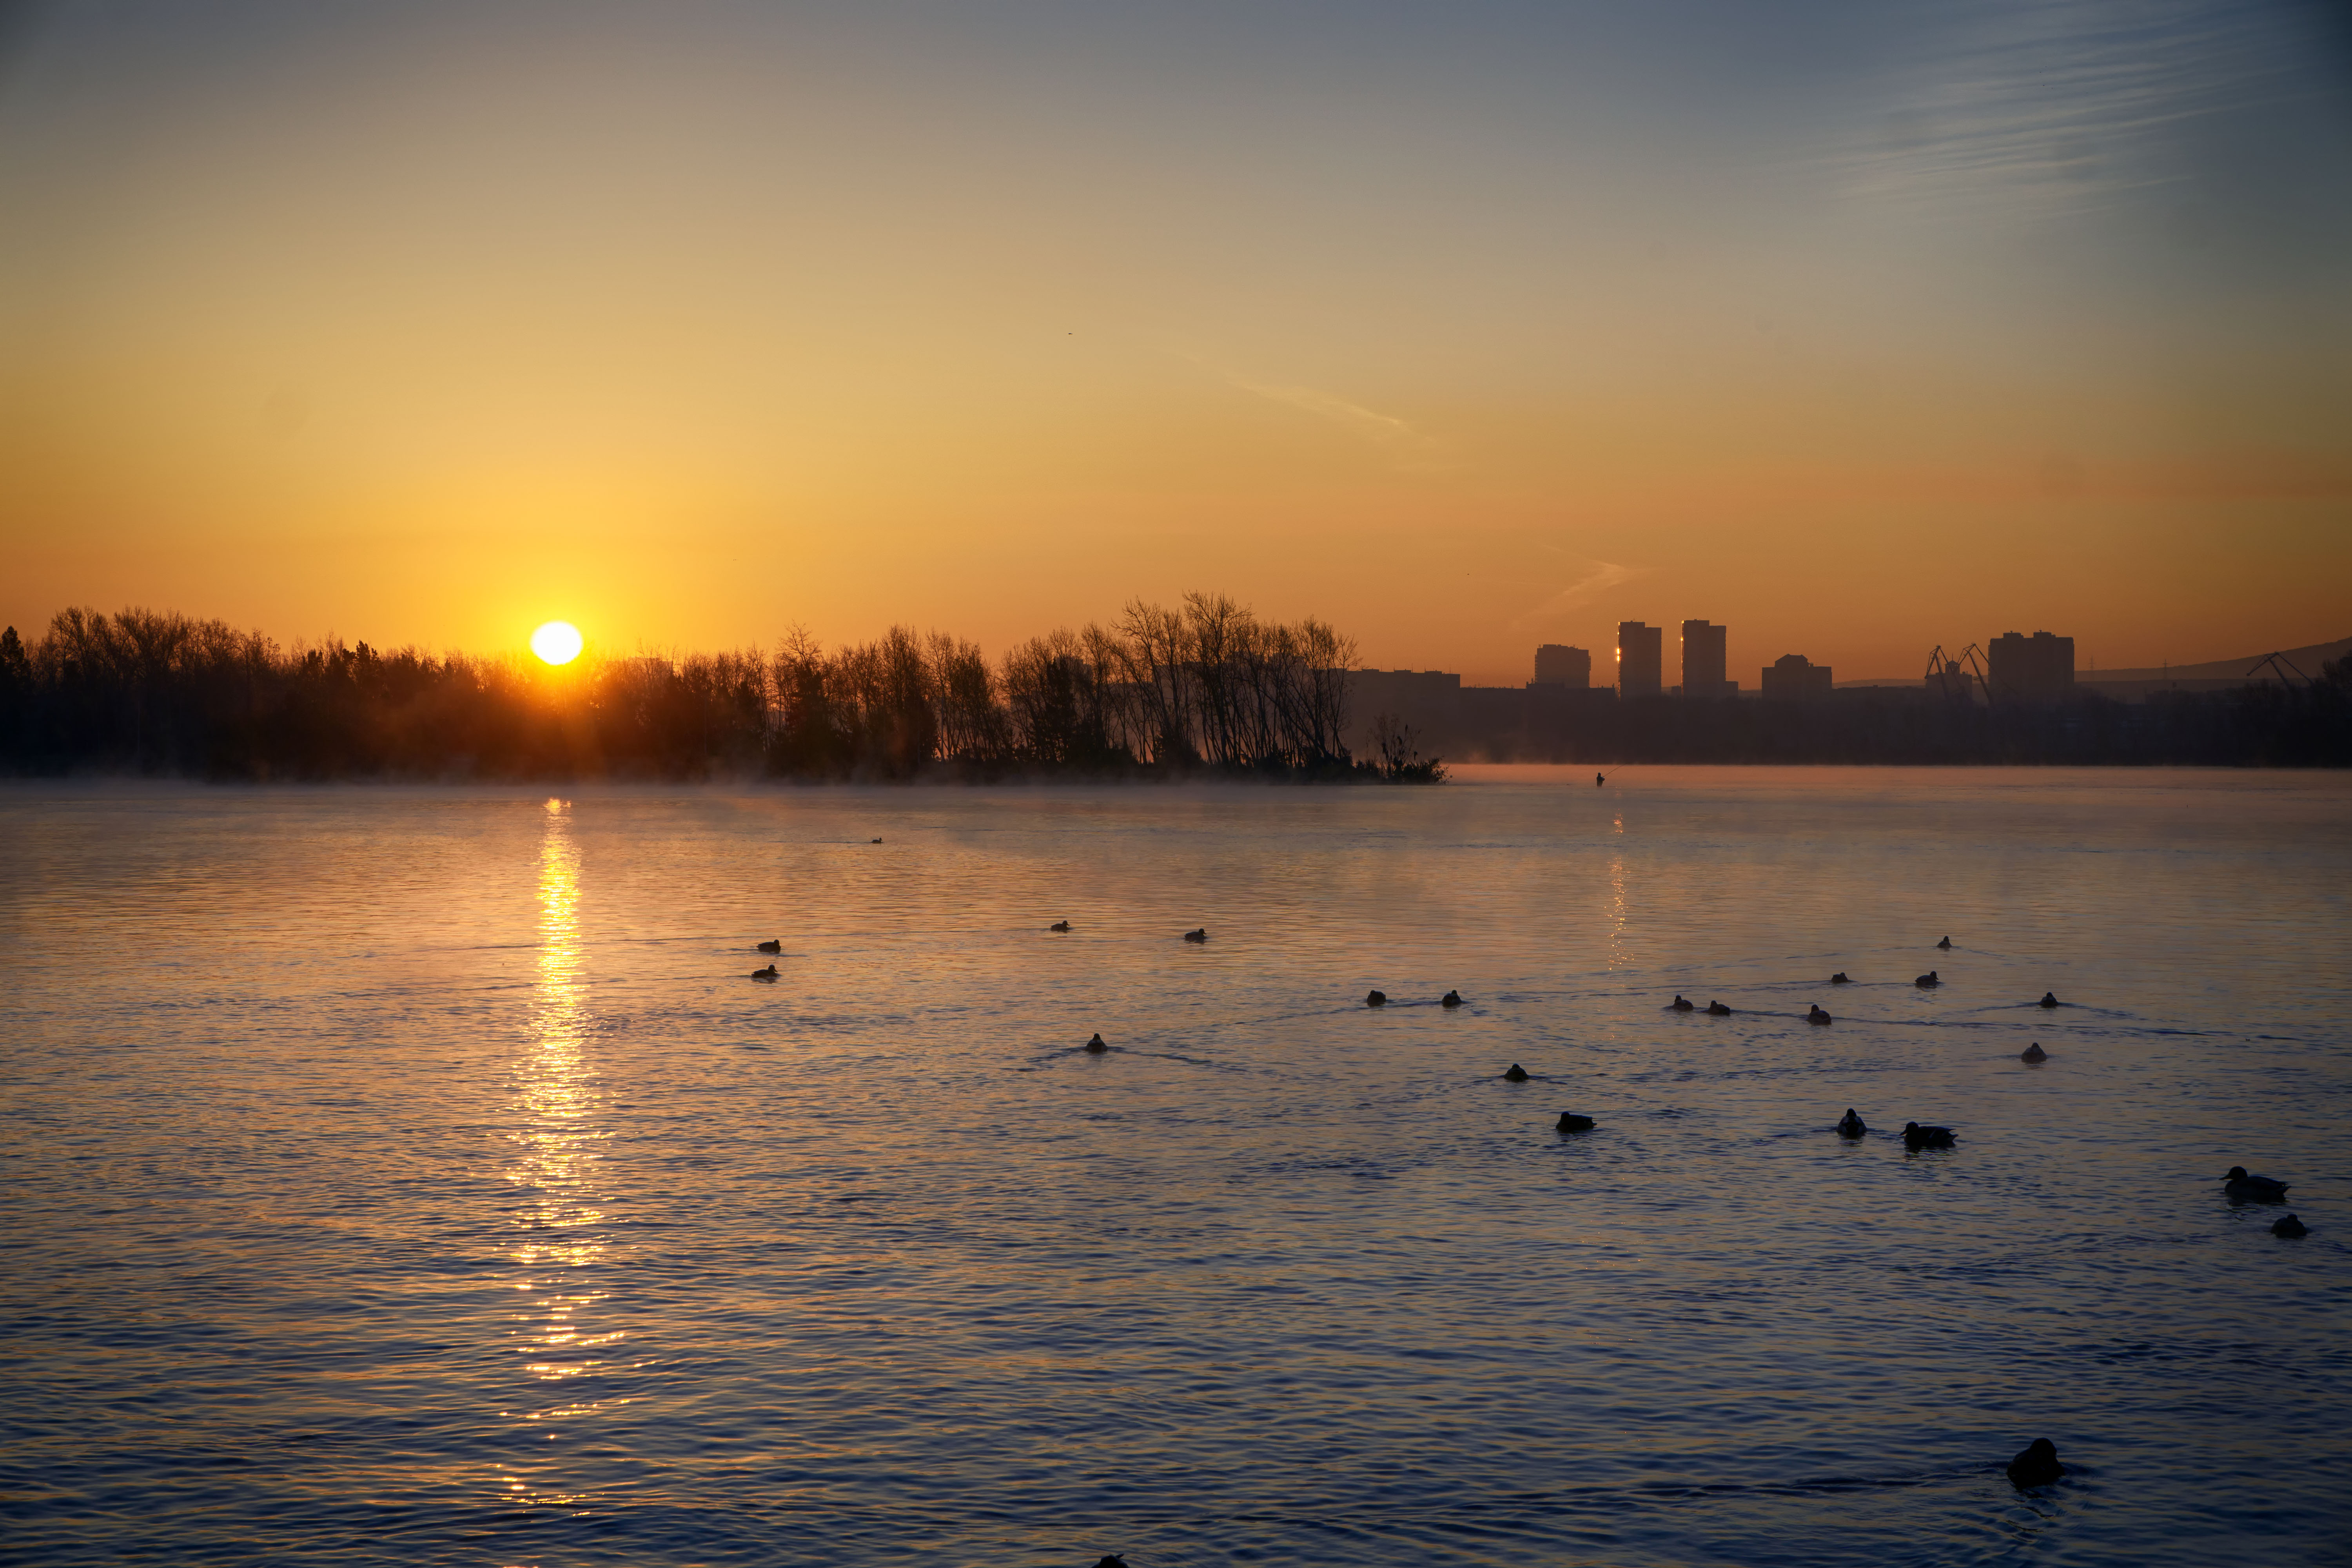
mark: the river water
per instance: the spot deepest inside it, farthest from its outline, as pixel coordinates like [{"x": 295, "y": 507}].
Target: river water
[{"x": 418, "y": 1177}]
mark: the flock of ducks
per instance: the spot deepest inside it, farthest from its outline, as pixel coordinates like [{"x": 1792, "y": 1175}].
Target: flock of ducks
[{"x": 2037, "y": 1464}]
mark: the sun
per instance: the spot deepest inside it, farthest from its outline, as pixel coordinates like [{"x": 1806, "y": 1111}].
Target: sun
[{"x": 558, "y": 642}]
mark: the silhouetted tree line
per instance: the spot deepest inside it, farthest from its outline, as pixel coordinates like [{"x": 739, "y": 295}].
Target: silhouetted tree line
[
  {"x": 2306, "y": 725},
  {"x": 1207, "y": 686}
]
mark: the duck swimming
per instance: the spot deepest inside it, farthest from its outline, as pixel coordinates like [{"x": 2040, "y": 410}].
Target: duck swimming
[
  {"x": 2290, "y": 1228},
  {"x": 772, "y": 947},
  {"x": 1840, "y": 979},
  {"x": 1715, "y": 1009},
  {"x": 2033, "y": 1053},
  {"x": 1095, "y": 1047},
  {"x": 1200, "y": 935},
  {"x": 1376, "y": 998},
  {"x": 2242, "y": 1188},
  {"x": 1927, "y": 982},
  {"x": 1817, "y": 1016},
  {"x": 1945, "y": 945},
  {"x": 1059, "y": 925},
  {"x": 2049, "y": 999},
  {"x": 2038, "y": 1466},
  {"x": 767, "y": 974},
  {"x": 1451, "y": 999},
  {"x": 1916, "y": 1137},
  {"x": 1515, "y": 1073},
  {"x": 1850, "y": 1125},
  {"x": 1570, "y": 1122},
  {"x": 1680, "y": 1004}
]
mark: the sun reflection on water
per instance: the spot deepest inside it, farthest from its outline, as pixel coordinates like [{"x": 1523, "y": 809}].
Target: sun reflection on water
[{"x": 558, "y": 1134}]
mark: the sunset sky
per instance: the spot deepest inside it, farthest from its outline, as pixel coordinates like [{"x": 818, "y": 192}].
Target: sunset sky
[{"x": 1861, "y": 327}]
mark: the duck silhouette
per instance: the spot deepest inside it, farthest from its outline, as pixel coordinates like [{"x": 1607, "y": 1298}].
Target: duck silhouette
[
  {"x": 1839, "y": 978},
  {"x": 1680, "y": 1004},
  {"x": 2038, "y": 1466},
  {"x": 1515, "y": 1073},
  {"x": 1817, "y": 1016},
  {"x": 771, "y": 946},
  {"x": 2290, "y": 1228},
  {"x": 1095, "y": 1046},
  {"x": 1945, "y": 945},
  {"x": 1059, "y": 925},
  {"x": 1715, "y": 1009},
  {"x": 1916, "y": 1137},
  {"x": 2245, "y": 1189},
  {"x": 2033, "y": 1053},
  {"x": 2049, "y": 999},
  {"x": 1570, "y": 1122},
  {"x": 1451, "y": 999},
  {"x": 1850, "y": 1125},
  {"x": 874, "y": 841},
  {"x": 1113, "y": 1560},
  {"x": 767, "y": 974},
  {"x": 1929, "y": 981},
  {"x": 1376, "y": 998},
  {"x": 1200, "y": 935}
]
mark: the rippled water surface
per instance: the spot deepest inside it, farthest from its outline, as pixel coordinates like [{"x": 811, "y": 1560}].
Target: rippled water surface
[{"x": 418, "y": 1177}]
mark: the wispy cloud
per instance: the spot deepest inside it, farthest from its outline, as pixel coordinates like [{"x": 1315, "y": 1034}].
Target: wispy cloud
[
  {"x": 2053, "y": 106},
  {"x": 1312, "y": 400},
  {"x": 1596, "y": 579}
]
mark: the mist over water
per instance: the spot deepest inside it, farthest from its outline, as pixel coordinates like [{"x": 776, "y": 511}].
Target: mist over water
[{"x": 417, "y": 1176}]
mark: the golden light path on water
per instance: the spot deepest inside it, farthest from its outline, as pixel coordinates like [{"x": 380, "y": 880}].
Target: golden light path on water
[{"x": 556, "y": 1109}]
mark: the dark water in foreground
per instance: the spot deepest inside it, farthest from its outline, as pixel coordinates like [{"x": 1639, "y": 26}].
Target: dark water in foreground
[{"x": 414, "y": 1177}]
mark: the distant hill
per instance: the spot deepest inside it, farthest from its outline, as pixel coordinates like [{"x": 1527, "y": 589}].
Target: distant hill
[{"x": 2306, "y": 659}]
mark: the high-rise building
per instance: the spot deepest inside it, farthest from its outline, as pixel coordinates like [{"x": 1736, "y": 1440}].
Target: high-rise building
[
  {"x": 1641, "y": 659},
  {"x": 1794, "y": 677},
  {"x": 1559, "y": 666},
  {"x": 2029, "y": 670},
  {"x": 1702, "y": 667}
]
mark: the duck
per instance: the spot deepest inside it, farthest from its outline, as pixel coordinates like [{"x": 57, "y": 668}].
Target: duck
[
  {"x": 874, "y": 841},
  {"x": 1200, "y": 935},
  {"x": 1059, "y": 925},
  {"x": 2049, "y": 999},
  {"x": 1376, "y": 998},
  {"x": 2038, "y": 1466},
  {"x": 1927, "y": 982},
  {"x": 1570, "y": 1122},
  {"x": 2033, "y": 1053},
  {"x": 1715, "y": 1009},
  {"x": 1095, "y": 1046},
  {"x": 767, "y": 974},
  {"x": 771, "y": 946},
  {"x": 1916, "y": 1137},
  {"x": 1515, "y": 1073},
  {"x": 1681, "y": 1004},
  {"x": 1841, "y": 978},
  {"x": 1817, "y": 1016},
  {"x": 2243, "y": 1188},
  {"x": 1451, "y": 999},
  {"x": 1113, "y": 1560},
  {"x": 1945, "y": 945},
  {"x": 2290, "y": 1228},
  {"x": 1850, "y": 1125}
]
